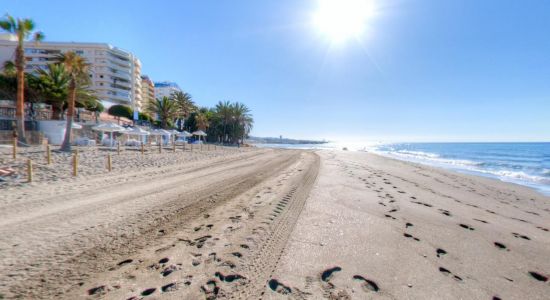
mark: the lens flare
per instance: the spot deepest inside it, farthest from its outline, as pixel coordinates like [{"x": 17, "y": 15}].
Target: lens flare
[{"x": 341, "y": 20}]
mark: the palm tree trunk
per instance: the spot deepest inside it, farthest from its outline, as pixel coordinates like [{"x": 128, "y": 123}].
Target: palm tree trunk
[
  {"x": 66, "y": 146},
  {"x": 20, "y": 101}
]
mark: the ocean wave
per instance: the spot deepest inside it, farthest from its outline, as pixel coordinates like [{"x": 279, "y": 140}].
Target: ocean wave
[
  {"x": 517, "y": 175},
  {"x": 468, "y": 165},
  {"x": 428, "y": 157},
  {"x": 418, "y": 153}
]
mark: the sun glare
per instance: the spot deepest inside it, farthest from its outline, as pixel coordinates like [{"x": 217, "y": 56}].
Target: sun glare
[{"x": 341, "y": 20}]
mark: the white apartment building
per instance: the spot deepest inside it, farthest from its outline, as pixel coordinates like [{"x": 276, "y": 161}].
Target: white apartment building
[
  {"x": 115, "y": 73},
  {"x": 165, "y": 89},
  {"x": 147, "y": 90}
]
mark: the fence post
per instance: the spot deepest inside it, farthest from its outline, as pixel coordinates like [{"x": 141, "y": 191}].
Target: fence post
[
  {"x": 48, "y": 155},
  {"x": 29, "y": 170},
  {"x": 174, "y": 147},
  {"x": 160, "y": 147},
  {"x": 75, "y": 163},
  {"x": 14, "y": 148},
  {"x": 109, "y": 162},
  {"x": 118, "y": 148},
  {"x": 142, "y": 150}
]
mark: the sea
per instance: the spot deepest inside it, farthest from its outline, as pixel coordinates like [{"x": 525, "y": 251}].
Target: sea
[{"x": 526, "y": 164}]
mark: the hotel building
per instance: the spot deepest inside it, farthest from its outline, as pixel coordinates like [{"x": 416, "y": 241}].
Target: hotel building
[
  {"x": 147, "y": 91},
  {"x": 115, "y": 73},
  {"x": 165, "y": 89}
]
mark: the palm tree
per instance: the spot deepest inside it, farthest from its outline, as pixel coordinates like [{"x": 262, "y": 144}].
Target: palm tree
[
  {"x": 164, "y": 108},
  {"x": 77, "y": 68},
  {"x": 223, "y": 109},
  {"x": 9, "y": 68},
  {"x": 53, "y": 85},
  {"x": 184, "y": 104},
  {"x": 202, "y": 121},
  {"x": 242, "y": 120},
  {"x": 23, "y": 29}
]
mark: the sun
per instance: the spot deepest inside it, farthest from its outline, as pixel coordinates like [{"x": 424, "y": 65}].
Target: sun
[{"x": 341, "y": 20}]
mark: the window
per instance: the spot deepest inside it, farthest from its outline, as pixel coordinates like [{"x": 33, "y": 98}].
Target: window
[{"x": 100, "y": 76}]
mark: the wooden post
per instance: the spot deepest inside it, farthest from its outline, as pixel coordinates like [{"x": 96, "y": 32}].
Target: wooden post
[
  {"x": 109, "y": 163},
  {"x": 75, "y": 163},
  {"x": 142, "y": 149},
  {"x": 201, "y": 147},
  {"x": 160, "y": 147},
  {"x": 183, "y": 147},
  {"x": 14, "y": 148},
  {"x": 118, "y": 148},
  {"x": 174, "y": 147},
  {"x": 29, "y": 170},
  {"x": 48, "y": 155}
]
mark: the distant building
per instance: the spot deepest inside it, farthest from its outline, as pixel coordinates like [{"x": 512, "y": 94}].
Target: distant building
[
  {"x": 165, "y": 89},
  {"x": 147, "y": 91},
  {"x": 115, "y": 73}
]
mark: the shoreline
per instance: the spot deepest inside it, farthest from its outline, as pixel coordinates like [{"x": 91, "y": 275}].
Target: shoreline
[{"x": 465, "y": 172}]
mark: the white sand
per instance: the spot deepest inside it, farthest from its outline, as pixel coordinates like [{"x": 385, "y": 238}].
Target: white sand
[
  {"x": 356, "y": 216},
  {"x": 271, "y": 224}
]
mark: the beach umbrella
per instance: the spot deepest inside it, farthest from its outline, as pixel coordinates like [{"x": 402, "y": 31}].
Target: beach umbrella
[
  {"x": 173, "y": 133},
  {"x": 184, "y": 134},
  {"x": 74, "y": 125},
  {"x": 160, "y": 132},
  {"x": 109, "y": 127},
  {"x": 199, "y": 133},
  {"x": 137, "y": 131}
]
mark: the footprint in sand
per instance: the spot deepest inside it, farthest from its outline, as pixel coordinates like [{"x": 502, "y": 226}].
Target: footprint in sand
[
  {"x": 148, "y": 292},
  {"x": 445, "y": 212},
  {"x": 279, "y": 287},
  {"x": 466, "y": 226},
  {"x": 538, "y": 276},
  {"x": 440, "y": 252},
  {"x": 229, "y": 278},
  {"x": 366, "y": 284},
  {"x": 447, "y": 272},
  {"x": 211, "y": 289},
  {"x": 410, "y": 236},
  {"x": 517, "y": 235},
  {"x": 327, "y": 274},
  {"x": 500, "y": 246}
]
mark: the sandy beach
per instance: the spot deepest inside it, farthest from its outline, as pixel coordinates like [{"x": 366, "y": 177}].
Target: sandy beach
[{"x": 271, "y": 224}]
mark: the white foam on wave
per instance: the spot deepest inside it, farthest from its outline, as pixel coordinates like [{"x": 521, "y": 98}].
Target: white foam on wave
[
  {"x": 517, "y": 175},
  {"x": 426, "y": 157},
  {"x": 466, "y": 165}
]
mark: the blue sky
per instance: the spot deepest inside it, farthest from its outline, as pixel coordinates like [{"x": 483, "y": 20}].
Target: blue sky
[{"x": 426, "y": 70}]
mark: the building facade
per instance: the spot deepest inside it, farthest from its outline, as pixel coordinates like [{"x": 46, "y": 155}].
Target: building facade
[
  {"x": 166, "y": 89},
  {"x": 147, "y": 91},
  {"x": 115, "y": 73}
]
